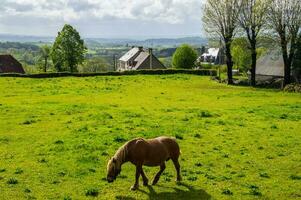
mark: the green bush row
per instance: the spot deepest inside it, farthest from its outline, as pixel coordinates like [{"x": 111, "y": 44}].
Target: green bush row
[{"x": 124, "y": 73}]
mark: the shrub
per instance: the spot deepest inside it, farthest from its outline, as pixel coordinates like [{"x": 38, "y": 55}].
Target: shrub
[
  {"x": 28, "y": 122},
  {"x": 254, "y": 190},
  {"x": 27, "y": 190},
  {"x": 119, "y": 139},
  {"x": 264, "y": 175},
  {"x": 205, "y": 114},
  {"x": 92, "y": 192},
  {"x": 184, "y": 57},
  {"x": 19, "y": 171},
  {"x": 124, "y": 73},
  {"x": 179, "y": 137},
  {"x": 293, "y": 88},
  {"x": 192, "y": 178},
  {"x": 227, "y": 192},
  {"x": 59, "y": 142},
  {"x": 295, "y": 177},
  {"x": 198, "y": 164},
  {"x": 67, "y": 198},
  {"x": 12, "y": 181}
]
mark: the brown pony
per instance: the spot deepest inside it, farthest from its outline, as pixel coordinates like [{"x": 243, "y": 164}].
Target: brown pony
[{"x": 152, "y": 153}]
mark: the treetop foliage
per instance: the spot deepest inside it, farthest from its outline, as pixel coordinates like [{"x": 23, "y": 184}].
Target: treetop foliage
[
  {"x": 184, "y": 57},
  {"x": 68, "y": 49}
]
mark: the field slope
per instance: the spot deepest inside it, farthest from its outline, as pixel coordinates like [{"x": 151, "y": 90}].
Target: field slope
[{"x": 56, "y": 136}]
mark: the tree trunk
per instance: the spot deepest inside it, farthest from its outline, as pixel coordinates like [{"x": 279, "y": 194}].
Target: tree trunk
[
  {"x": 287, "y": 63},
  {"x": 45, "y": 65},
  {"x": 229, "y": 62},
  {"x": 253, "y": 67}
]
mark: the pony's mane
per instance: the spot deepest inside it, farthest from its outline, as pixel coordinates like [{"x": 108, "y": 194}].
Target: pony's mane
[{"x": 121, "y": 154}]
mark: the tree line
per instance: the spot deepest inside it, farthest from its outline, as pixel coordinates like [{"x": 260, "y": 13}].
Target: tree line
[{"x": 280, "y": 19}]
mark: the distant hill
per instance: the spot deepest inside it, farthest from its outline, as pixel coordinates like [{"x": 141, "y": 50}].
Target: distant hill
[
  {"x": 17, "y": 45},
  {"x": 164, "y": 42},
  {"x": 24, "y": 39},
  {"x": 170, "y": 42}
]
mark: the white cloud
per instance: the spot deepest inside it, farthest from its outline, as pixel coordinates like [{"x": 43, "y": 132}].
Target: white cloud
[{"x": 169, "y": 12}]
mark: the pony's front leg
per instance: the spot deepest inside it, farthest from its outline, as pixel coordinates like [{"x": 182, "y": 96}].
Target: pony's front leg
[
  {"x": 157, "y": 177},
  {"x": 138, "y": 172}
]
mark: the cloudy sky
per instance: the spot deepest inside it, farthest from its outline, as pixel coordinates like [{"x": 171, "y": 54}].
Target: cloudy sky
[{"x": 102, "y": 18}]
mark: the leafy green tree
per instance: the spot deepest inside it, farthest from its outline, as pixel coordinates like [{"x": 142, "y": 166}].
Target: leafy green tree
[
  {"x": 45, "y": 54},
  {"x": 252, "y": 20},
  {"x": 221, "y": 20},
  {"x": 284, "y": 18},
  {"x": 68, "y": 49},
  {"x": 167, "y": 61},
  {"x": 242, "y": 53},
  {"x": 184, "y": 57}
]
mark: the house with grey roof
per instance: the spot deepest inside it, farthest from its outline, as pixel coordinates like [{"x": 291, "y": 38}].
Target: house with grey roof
[
  {"x": 139, "y": 59},
  {"x": 8, "y": 64},
  {"x": 269, "y": 67}
]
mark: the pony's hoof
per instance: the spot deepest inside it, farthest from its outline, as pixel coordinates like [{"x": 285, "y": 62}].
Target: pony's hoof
[{"x": 134, "y": 188}]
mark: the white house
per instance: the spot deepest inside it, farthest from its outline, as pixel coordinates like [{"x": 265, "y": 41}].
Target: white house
[{"x": 213, "y": 56}]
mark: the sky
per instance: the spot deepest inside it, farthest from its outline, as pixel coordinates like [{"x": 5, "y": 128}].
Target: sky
[{"x": 103, "y": 18}]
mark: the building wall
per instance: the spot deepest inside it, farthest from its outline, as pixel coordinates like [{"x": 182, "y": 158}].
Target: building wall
[
  {"x": 156, "y": 64},
  {"x": 263, "y": 78},
  {"x": 122, "y": 66}
]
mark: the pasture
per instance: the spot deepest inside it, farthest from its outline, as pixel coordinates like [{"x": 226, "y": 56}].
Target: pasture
[{"x": 56, "y": 136}]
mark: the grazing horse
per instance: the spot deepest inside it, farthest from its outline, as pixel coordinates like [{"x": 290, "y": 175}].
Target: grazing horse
[{"x": 141, "y": 152}]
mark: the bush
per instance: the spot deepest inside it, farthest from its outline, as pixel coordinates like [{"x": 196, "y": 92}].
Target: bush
[
  {"x": 184, "y": 57},
  {"x": 12, "y": 181},
  {"x": 293, "y": 88},
  {"x": 124, "y": 73},
  {"x": 92, "y": 192},
  {"x": 179, "y": 136}
]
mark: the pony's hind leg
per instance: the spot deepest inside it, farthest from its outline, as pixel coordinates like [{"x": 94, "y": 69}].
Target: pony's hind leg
[
  {"x": 178, "y": 168},
  {"x": 157, "y": 177}
]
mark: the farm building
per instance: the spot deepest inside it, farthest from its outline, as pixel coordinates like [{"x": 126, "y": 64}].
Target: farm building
[
  {"x": 138, "y": 59},
  {"x": 213, "y": 55},
  {"x": 271, "y": 67},
  {"x": 8, "y": 64}
]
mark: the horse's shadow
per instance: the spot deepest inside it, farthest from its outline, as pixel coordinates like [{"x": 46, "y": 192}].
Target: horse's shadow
[{"x": 191, "y": 194}]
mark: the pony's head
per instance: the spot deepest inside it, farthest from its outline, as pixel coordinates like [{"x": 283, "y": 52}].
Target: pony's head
[{"x": 113, "y": 170}]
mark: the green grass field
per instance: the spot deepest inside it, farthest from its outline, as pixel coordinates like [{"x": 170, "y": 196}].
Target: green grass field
[{"x": 56, "y": 136}]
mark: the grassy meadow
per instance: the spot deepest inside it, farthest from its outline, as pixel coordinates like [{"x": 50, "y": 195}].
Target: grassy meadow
[{"x": 56, "y": 136}]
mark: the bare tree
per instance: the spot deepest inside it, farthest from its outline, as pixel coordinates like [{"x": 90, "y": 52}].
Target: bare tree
[
  {"x": 252, "y": 20},
  {"x": 221, "y": 19},
  {"x": 285, "y": 19}
]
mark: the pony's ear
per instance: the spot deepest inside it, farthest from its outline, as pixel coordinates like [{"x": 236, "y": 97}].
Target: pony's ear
[{"x": 114, "y": 160}]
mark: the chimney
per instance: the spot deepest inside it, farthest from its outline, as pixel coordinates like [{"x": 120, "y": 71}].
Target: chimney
[{"x": 150, "y": 58}]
